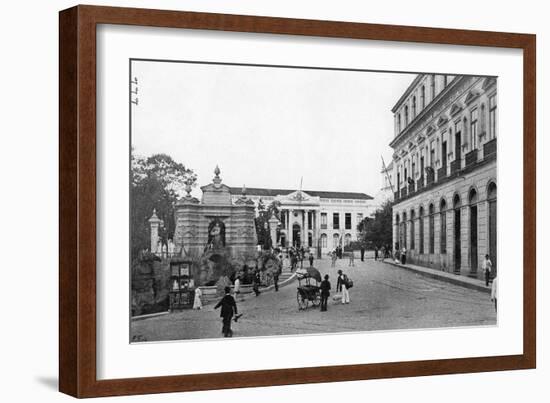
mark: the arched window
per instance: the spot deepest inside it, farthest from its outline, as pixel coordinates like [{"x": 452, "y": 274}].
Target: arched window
[
  {"x": 412, "y": 230},
  {"x": 347, "y": 239},
  {"x": 397, "y": 232},
  {"x": 335, "y": 240},
  {"x": 421, "y": 230},
  {"x": 492, "y": 191},
  {"x": 406, "y": 115},
  {"x": 323, "y": 240},
  {"x": 457, "y": 252},
  {"x": 432, "y": 86},
  {"x": 413, "y": 107},
  {"x": 431, "y": 228},
  {"x": 443, "y": 225}
]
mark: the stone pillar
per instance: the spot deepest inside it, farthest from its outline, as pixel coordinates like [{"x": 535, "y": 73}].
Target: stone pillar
[
  {"x": 290, "y": 231},
  {"x": 154, "y": 223},
  {"x": 306, "y": 229},
  {"x": 273, "y": 222}
]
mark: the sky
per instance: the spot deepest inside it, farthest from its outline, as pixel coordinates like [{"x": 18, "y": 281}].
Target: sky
[{"x": 268, "y": 126}]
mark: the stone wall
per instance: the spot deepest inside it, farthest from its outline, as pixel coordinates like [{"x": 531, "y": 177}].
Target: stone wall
[{"x": 150, "y": 286}]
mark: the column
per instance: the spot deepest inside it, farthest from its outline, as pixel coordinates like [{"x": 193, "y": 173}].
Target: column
[
  {"x": 154, "y": 223},
  {"x": 273, "y": 222},
  {"x": 306, "y": 230},
  {"x": 290, "y": 232}
]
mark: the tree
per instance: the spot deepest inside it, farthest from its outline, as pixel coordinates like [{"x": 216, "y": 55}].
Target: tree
[
  {"x": 377, "y": 230},
  {"x": 262, "y": 222},
  {"x": 157, "y": 183}
]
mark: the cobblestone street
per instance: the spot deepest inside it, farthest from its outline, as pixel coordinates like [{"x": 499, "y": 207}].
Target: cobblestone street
[{"x": 383, "y": 297}]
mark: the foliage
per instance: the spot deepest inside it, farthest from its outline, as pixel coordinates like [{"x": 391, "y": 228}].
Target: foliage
[
  {"x": 157, "y": 182},
  {"x": 262, "y": 222},
  {"x": 377, "y": 230}
]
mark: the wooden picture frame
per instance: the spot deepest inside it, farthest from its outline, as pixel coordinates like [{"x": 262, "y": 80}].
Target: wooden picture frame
[{"x": 77, "y": 209}]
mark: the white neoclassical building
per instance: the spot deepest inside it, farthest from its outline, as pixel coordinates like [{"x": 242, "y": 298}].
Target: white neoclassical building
[
  {"x": 445, "y": 170},
  {"x": 314, "y": 218}
]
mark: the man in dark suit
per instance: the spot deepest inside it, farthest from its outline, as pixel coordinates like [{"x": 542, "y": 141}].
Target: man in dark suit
[
  {"x": 325, "y": 293},
  {"x": 229, "y": 308}
]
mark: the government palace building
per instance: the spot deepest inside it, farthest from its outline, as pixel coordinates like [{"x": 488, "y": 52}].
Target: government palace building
[
  {"x": 445, "y": 173},
  {"x": 314, "y": 218}
]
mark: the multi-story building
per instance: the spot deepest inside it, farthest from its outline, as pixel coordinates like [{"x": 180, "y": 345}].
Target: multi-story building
[
  {"x": 445, "y": 167},
  {"x": 314, "y": 218}
]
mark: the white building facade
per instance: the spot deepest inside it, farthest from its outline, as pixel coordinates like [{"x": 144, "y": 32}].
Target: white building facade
[
  {"x": 315, "y": 218},
  {"x": 445, "y": 167}
]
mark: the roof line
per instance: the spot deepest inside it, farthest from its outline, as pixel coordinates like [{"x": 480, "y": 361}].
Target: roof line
[{"x": 320, "y": 193}]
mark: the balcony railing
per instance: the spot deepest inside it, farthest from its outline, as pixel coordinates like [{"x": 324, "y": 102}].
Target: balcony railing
[
  {"x": 323, "y": 226},
  {"x": 490, "y": 148},
  {"x": 430, "y": 176},
  {"x": 471, "y": 157},
  {"x": 404, "y": 192},
  {"x": 420, "y": 183},
  {"x": 455, "y": 166},
  {"x": 442, "y": 172},
  {"x": 411, "y": 187}
]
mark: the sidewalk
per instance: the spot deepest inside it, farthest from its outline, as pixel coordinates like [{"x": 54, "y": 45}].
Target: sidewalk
[{"x": 457, "y": 279}]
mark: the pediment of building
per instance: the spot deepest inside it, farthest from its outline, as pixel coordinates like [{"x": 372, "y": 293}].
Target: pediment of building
[
  {"x": 456, "y": 108},
  {"x": 443, "y": 120},
  {"x": 471, "y": 97},
  {"x": 430, "y": 130}
]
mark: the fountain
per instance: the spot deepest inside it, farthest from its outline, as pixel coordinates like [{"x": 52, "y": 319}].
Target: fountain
[{"x": 215, "y": 234}]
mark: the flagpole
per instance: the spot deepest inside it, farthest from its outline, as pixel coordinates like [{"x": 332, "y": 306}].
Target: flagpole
[{"x": 386, "y": 172}]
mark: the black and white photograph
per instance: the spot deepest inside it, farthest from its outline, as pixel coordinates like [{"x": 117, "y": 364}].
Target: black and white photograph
[{"x": 271, "y": 200}]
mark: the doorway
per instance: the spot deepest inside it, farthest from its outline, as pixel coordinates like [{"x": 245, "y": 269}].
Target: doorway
[
  {"x": 473, "y": 231},
  {"x": 457, "y": 223},
  {"x": 296, "y": 235},
  {"x": 492, "y": 198}
]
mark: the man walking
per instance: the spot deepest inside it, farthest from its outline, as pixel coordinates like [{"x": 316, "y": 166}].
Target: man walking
[
  {"x": 487, "y": 268},
  {"x": 256, "y": 282},
  {"x": 351, "y": 258},
  {"x": 310, "y": 259},
  {"x": 342, "y": 286},
  {"x": 229, "y": 308},
  {"x": 494, "y": 292},
  {"x": 362, "y": 252},
  {"x": 276, "y": 275},
  {"x": 376, "y": 253},
  {"x": 325, "y": 293}
]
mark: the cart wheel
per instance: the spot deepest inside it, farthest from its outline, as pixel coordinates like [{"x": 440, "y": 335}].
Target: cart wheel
[
  {"x": 316, "y": 301},
  {"x": 302, "y": 301}
]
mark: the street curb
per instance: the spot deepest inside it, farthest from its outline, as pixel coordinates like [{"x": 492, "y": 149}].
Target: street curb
[
  {"x": 150, "y": 315},
  {"x": 281, "y": 284},
  {"x": 456, "y": 280}
]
